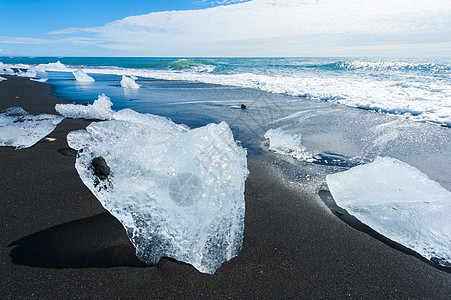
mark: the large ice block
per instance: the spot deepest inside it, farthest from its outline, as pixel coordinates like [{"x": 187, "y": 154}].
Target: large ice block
[
  {"x": 178, "y": 192},
  {"x": 400, "y": 202}
]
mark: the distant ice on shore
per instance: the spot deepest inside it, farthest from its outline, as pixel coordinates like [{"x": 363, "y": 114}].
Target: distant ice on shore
[
  {"x": 282, "y": 142},
  {"x": 99, "y": 110},
  {"x": 21, "y": 129},
  {"x": 178, "y": 192},
  {"x": 400, "y": 202},
  {"x": 129, "y": 82},
  {"x": 81, "y": 76},
  {"x": 42, "y": 80}
]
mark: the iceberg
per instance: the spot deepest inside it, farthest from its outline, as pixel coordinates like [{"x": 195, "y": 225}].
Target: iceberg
[
  {"x": 282, "y": 142},
  {"x": 99, "y": 110},
  {"x": 179, "y": 193},
  {"x": 21, "y": 129},
  {"x": 129, "y": 82},
  {"x": 400, "y": 202},
  {"x": 81, "y": 76}
]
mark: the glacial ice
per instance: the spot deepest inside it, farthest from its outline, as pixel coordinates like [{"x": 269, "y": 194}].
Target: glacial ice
[
  {"x": 5, "y": 70},
  {"x": 129, "y": 82},
  {"x": 99, "y": 110},
  {"x": 42, "y": 80},
  {"x": 28, "y": 73},
  {"x": 21, "y": 129},
  {"x": 179, "y": 193},
  {"x": 400, "y": 202},
  {"x": 81, "y": 76},
  {"x": 282, "y": 142},
  {"x": 2, "y": 78}
]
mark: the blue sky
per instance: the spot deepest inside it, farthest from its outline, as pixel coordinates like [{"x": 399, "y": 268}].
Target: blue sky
[{"x": 225, "y": 28}]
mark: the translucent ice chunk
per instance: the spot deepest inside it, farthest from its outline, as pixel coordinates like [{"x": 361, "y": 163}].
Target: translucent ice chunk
[
  {"x": 129, "y": 82},
  {"x": 179, "y": 193},
  {"x": 81, "y": 76},
  {"x": 282, "y": 142},
  {"x": 22, "y": 130},
  {"x": 28, "y": 73},
  {"x": 399, "y": 202},
  {"x": 42, "y": 80},
  {"x": 99, "y": 110}
]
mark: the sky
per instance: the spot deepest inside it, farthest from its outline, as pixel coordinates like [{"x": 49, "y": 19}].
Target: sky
[{"x": 208, "y": 28}]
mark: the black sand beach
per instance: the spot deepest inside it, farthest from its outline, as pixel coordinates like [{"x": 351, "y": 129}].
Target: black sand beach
[{"x": 58, "y": 242}]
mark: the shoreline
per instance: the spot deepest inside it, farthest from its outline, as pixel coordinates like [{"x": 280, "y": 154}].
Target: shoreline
[{"x": 58, "y": 241}]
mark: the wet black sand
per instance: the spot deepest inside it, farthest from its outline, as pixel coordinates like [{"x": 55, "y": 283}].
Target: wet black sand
[{"x": 58, "y": 242}]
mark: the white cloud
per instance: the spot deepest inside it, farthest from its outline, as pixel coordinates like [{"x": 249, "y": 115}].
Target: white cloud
[
  {"x": 22, "y": 40},
  {"x": 277, "y": 28}
]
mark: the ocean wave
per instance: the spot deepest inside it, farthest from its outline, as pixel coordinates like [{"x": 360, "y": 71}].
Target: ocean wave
[
  {"x": 424, "y": 97},
  {"x": 383, "y": 65}
]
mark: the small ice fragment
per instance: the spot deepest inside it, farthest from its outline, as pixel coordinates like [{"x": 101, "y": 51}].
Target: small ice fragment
[
  {"x": 99, "y": 110},
  {"x": 282, "y": 142},
  {"x": 39, "y": 79},
  {"x": 21, "y": 129},
  {"x": 400, "y": 202},
  {"x": 129, "y": 82},
  {"x": 81, "y": 76},
  {"x": 2, "y": 79},
  {"x": 178, "y": 193}
]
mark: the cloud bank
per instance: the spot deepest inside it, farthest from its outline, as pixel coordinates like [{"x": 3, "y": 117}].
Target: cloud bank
[{"x": 279, "y": 28}]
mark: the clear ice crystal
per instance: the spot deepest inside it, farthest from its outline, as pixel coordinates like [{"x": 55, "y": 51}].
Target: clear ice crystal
[
  {"x": 400, "y": 202},
  {"x": 179, "y": 193},
  {"x": 21, "y": 129}
]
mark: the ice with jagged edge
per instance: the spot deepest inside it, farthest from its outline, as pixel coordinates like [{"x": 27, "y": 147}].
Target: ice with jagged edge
[
  {"x": 400, "y": 202},
  {"x": 286, "y": 143},
  {"x": 21, "y": 129},
  {"x": 129, "y": 82},
  {"x": 81, "y": 76},
  {"x": 179, "y": 193},
  {"x": 5, "y": 69},
  {"x": 99, "y": 110}
]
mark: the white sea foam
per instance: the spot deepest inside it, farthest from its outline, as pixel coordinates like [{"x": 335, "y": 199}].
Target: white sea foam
[
  {"x": 421, "y": 97},
  {"x": 129, "y": 82},
  {"x": 99, "y": 110},
  {"x": 400, "y": 202},
  {"x": 81, "y": 76},
  {"x": 179, "y": 193},
  {"x": 22, "y": 130},
  {"x": 416, "y": 100},
  {"x": 282, "y": 142}
]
